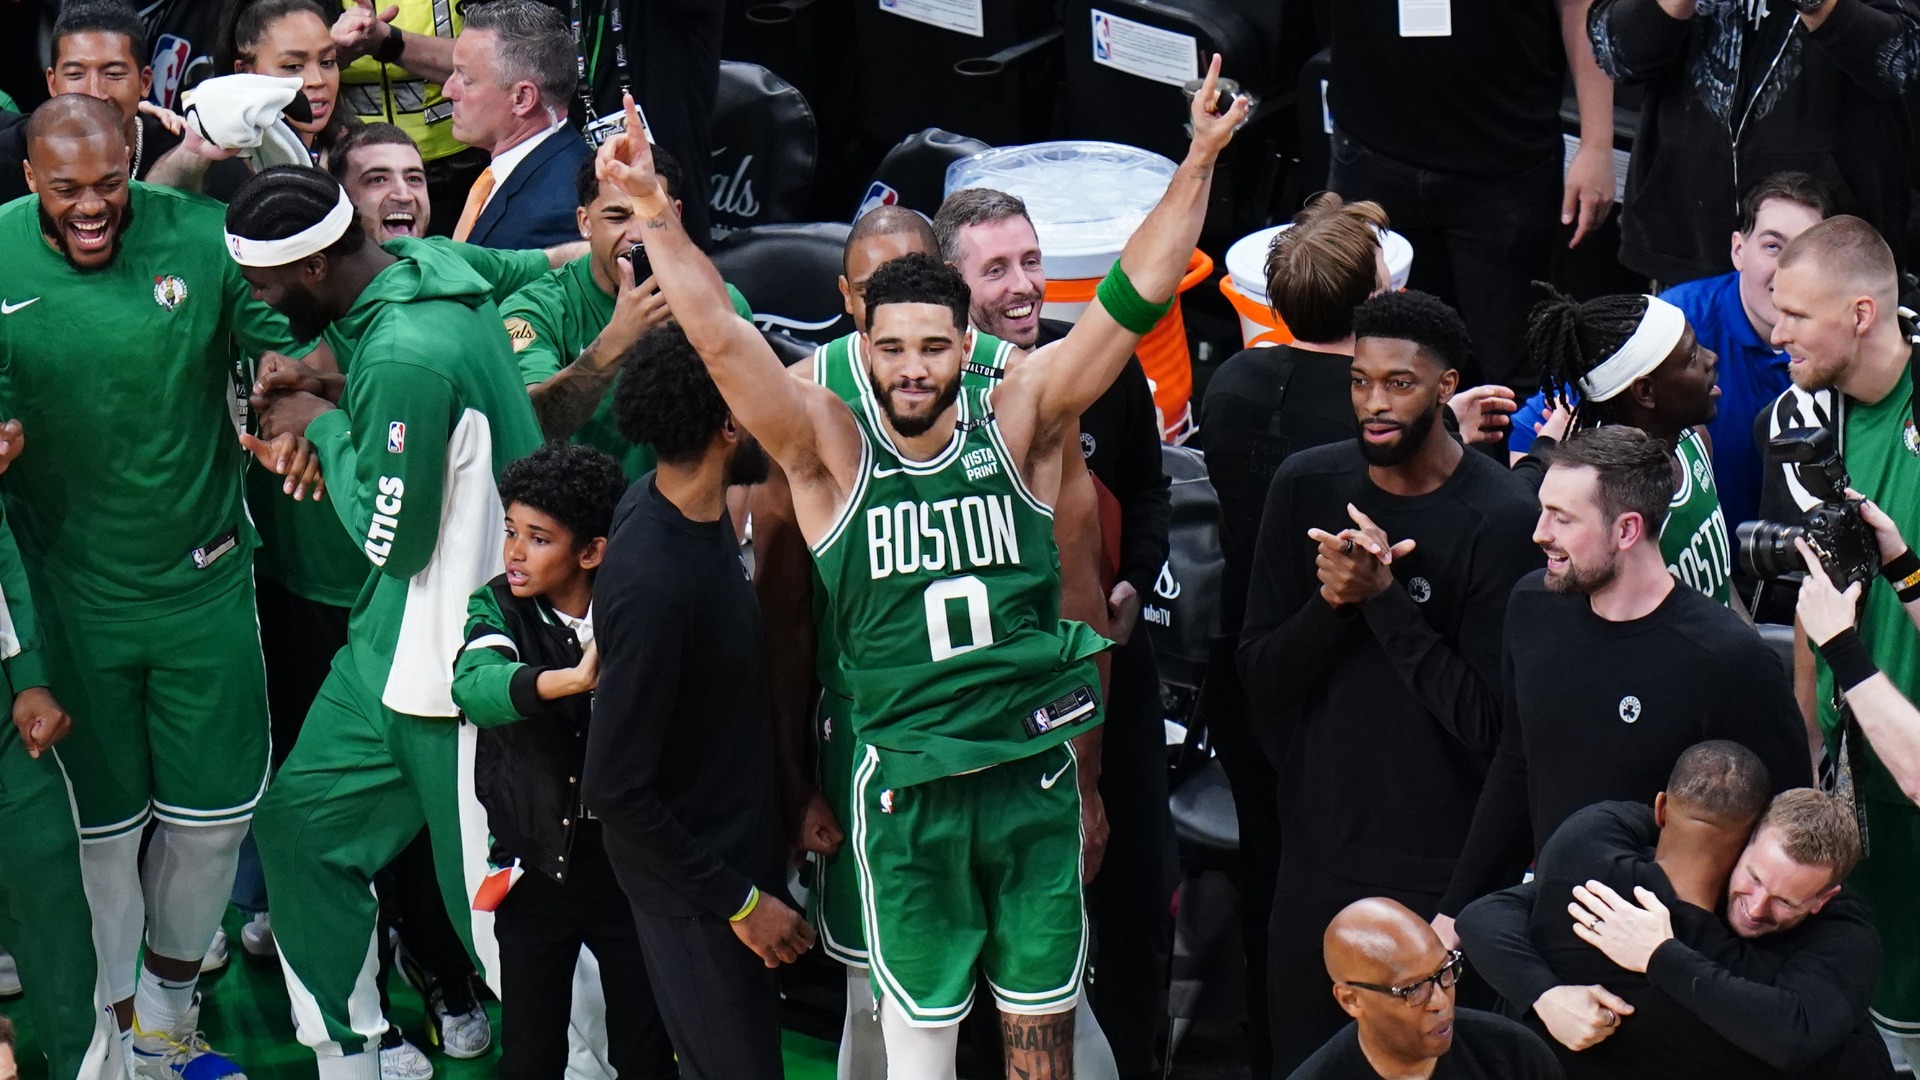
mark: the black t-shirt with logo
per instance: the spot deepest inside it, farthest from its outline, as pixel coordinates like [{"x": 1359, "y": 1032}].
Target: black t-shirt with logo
[
  {"x": 1600, "y": 710},
  {"x": 1387, "y": 713}
]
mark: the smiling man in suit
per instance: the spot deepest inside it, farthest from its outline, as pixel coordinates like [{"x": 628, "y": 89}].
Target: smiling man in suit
[{"x": 513, "y": 67}]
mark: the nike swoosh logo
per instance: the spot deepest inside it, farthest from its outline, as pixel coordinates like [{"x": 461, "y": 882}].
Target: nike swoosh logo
[
  {"x": 8, "y": 309},
  {"x": 1047, "y": 782}
]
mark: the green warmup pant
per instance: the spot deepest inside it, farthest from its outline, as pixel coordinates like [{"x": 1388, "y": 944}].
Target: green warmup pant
[
  {"x": 835, "y": 899},
  {"x": 44, "y": 918},
  {"x": 1889, "y": 881},
  {"x": 981, "y": 868},
  {"x": 359, "y": 784}
]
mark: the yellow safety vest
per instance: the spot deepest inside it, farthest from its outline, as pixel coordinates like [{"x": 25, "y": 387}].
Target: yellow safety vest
[{"x": 388, "y": 92}]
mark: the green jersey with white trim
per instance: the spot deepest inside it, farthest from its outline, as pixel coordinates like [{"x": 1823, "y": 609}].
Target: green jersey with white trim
[
  {"x": 129, "y": 499},
  {"x": 1694, "y": 538},
  {"x": 556, "y": 316},
  {"x": 833, "y": 367},
  {"x": 944, "y": 587}
]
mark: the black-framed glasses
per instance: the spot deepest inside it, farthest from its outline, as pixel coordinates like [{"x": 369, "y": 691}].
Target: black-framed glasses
[{"x": 1419, "y": 993}]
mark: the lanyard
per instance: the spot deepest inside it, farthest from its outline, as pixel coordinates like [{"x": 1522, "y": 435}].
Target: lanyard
[{"x": 583, "y": 84}]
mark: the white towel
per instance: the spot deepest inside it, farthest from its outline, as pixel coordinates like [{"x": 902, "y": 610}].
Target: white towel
[
  {"x": 242, "y": 112},
  {"x": 9, "y": 637},
  {"x": 466, "y": 557}
]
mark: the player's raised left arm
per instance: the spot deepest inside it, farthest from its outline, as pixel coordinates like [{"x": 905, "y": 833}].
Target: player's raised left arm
[{"x": 1076, "y": 370}]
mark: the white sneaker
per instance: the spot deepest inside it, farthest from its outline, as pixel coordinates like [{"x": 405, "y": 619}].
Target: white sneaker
[
  {"x": 404, "y": 1062},
  {"x": 176, "y": 1054},
  {"x": 217, "y": 954},
  {"x": 256, "y": 936},
  {"x": 9, "y": 976},
  {"x": 462, "y": 1035}
]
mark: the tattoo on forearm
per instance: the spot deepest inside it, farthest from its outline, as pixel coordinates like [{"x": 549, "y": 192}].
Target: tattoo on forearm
[
  {"x": 1038, "y": 1047},
  {"x": 565, "y": 401}
]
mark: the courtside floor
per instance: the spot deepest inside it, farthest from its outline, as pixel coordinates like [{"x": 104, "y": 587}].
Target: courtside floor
[{"x": 246, "y": 1009}]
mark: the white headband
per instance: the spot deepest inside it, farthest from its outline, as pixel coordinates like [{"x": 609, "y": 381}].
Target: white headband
[
  {"x": 1653, "y": 341},
  {"x": 312, "y": 240}
]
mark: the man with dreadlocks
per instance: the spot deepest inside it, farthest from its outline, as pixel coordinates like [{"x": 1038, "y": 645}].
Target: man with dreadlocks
[
  {"x": 1634, "y": 360},
  {"x": 431, "y": 414}
]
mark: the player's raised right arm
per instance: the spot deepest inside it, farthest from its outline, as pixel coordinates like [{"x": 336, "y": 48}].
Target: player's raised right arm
[{"x": 788, "y": 416}]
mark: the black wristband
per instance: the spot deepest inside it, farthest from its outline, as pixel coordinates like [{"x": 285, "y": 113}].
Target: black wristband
[
  {"x": 1846, "y": 655},
  {"x": 390, "y": 49},
  {"x": 1903, "y": 573}
]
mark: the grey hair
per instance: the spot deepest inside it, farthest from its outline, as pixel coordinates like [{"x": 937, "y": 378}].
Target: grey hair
[{"x": 533, "y": 43}]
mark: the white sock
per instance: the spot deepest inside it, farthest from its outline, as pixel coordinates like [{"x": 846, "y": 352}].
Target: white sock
[
  {"x": 863, "y": 1049},
  {"x": 918, "y": 1053},
  {"x": 160, "y": 1004}
]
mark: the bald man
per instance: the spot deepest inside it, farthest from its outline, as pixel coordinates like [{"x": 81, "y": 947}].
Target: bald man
[
  {"x": 1392, "y": 975},
  {"x": 130, "y": 520},
  {"x": 1852, "y": 369}
]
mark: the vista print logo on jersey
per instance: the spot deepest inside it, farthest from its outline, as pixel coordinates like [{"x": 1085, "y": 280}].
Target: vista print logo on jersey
[
  {"x": 169, "y": 291},
  {"x": 1629, "y": 709}
]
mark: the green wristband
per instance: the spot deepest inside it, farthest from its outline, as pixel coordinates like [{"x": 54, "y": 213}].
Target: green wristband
[{"x": 1123, "y": 302}]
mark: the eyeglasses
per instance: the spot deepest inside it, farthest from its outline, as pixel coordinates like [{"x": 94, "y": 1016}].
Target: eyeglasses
[{"x": 1417, "y": 994}]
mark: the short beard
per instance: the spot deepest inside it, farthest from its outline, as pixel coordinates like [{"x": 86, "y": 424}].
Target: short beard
[
  {"x": 52, "y": 231},
  {"x": 909, "y": 427},
  {"x": 1584, "y": 582},
  {"x": 305, "y": 318},
  {"x": 991, "y": 322},
  {"x": 748, "y": 464},
  {"x": 1412, "y": 438}
]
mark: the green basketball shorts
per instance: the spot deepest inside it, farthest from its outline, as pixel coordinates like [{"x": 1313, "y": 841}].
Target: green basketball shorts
[
  {"x": 169, "y": 713},
  {"x": 835, "y": 900},
  {"x": 1889, "y": 880},
  {"x": 977, "y": 869}
]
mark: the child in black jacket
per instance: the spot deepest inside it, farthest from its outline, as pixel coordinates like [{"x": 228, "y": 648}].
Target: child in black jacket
[{"x": 525, "y": 677}]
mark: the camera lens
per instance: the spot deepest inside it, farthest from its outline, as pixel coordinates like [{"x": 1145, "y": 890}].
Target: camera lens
[{"x": 1766, "y": 548}]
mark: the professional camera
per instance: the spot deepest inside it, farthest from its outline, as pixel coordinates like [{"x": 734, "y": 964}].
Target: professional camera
[{"x": 1834, "y": 529}]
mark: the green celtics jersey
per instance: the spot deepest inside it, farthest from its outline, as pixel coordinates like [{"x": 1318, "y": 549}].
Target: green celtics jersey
[
  {"x": 424, "y": 349},
  {"x": 833, "y": 366},
  {"x": 1882, "y": 450},
  {"x": 129, "y": 498},
  {"x": 944, "y": 586},
  {"x": 555, "y": 317},
  {"x": 302, "y": 546},
  {"x": 1694, "y": 538}
]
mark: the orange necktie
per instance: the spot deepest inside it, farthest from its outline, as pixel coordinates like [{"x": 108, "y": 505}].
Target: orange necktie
[{"x": 476, "y": 199}]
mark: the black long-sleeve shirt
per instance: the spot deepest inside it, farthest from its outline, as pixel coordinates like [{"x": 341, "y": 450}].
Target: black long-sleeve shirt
[
  {"x": 1387, "y": 712},
  {"x": 1120, "y": 435},
  {"x": 1599, "y": 710},
  {"x": 1710, "y": 1004},
  {"x": 680, "y": 753},
  {"x": 1263, "y": 405}
]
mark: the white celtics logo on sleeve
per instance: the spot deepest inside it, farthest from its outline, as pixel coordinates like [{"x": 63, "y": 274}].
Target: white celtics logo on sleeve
[
  {"x": 1420, "y": 589},
  {"x": 1629, "y": 709}
]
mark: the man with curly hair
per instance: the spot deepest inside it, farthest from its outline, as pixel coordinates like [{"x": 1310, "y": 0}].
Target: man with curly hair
[{"x": 680, "y": 766}]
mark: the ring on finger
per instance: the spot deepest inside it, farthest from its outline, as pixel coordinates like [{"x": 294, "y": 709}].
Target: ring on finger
[{"x": 1348, "y": 548}]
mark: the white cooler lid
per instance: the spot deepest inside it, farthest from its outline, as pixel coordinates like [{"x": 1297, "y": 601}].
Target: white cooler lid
[
  {"x": 1085, "y": 198},
  {"x": 1247, "y": 260}
]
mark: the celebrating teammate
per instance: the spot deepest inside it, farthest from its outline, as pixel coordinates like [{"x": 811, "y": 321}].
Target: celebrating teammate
[
  {"x": 429, "y": 417},
  {"x": 967, "y": 683},
  {"x": 118, "y": 309}
]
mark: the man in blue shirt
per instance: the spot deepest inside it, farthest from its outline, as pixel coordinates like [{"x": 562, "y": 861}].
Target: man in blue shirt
[{"x": 1733, "y": 315}]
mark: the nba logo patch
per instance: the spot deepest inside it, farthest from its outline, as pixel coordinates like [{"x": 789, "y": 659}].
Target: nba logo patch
[
  {"x": 171, "y": 55},
  {"x": 396, "y": 437},
  {"x": 877, "y": 196},
  {"x": 169, "y": 291},
  {"x": 886, "y": 801}
]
